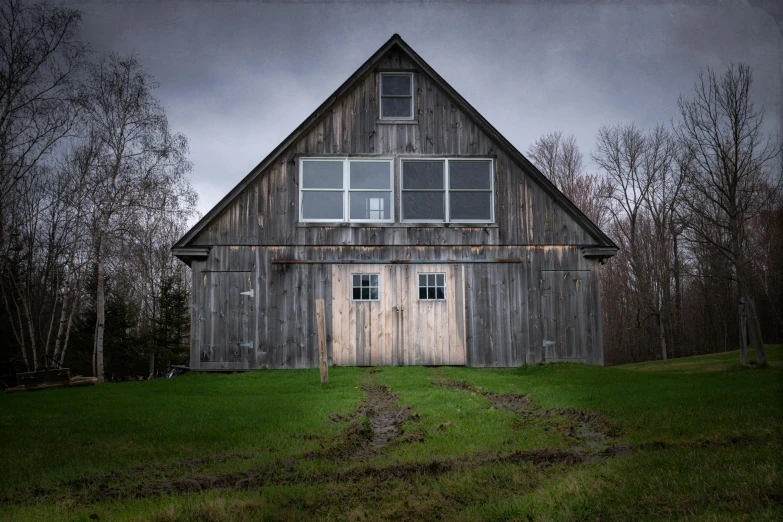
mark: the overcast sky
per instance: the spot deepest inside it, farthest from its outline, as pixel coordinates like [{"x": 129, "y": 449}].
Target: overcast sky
[{"x": 237, "y": 78}]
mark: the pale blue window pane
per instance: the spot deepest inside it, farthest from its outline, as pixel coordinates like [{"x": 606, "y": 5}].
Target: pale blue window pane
[
  {"x": 322, "y": 174},
  {"x": 370, "y": 175},
  {"x": 322, "y": 205},
  {"x": 370, "y": 205}
]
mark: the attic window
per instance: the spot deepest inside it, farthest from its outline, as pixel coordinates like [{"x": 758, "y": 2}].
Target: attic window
[{"x": 396, "y": 96}]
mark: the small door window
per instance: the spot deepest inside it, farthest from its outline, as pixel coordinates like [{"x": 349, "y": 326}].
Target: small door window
[
  {"x": 432, "y": 287},
  {"x": 365, "y": 287}
]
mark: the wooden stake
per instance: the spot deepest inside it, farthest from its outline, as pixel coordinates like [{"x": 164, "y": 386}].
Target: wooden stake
[{"x": 320, "y": 316}]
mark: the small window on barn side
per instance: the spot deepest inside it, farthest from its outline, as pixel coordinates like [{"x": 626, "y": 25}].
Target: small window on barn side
[
  {"x": 396, "y": 96},
  {"x": 432, "y": 287},
  {"x": 365, "y": 287}
]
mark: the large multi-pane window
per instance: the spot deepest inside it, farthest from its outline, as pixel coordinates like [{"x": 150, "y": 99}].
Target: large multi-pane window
[
  {"x": 361, "y": 190},
  {"x": 346, "y": 189},
  {"x": 447, "y": 190}
]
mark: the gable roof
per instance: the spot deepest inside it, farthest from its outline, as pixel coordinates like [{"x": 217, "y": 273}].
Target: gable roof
[{"x": 396, "y": 41}]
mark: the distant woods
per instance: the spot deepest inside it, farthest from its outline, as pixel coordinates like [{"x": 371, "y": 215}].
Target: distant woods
[
  {"x": 697, "y": 211},
  {"x": 93, "y": 193}
]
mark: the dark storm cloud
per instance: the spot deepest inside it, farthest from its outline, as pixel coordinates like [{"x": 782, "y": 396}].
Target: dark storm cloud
[{"x": 238, "y": 78}]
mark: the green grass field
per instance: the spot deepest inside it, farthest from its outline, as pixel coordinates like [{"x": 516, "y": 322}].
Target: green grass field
[{"x": 692, "y": 439}]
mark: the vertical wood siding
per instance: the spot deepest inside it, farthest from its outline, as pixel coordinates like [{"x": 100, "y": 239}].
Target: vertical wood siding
[{"x": 495, "y": 314}]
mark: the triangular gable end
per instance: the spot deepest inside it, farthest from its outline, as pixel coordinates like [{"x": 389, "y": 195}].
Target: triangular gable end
[{"x": 603, "y": 247}]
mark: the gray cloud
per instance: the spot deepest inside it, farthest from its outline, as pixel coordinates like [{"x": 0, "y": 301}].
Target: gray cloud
[{"x": 238, "y": 78}]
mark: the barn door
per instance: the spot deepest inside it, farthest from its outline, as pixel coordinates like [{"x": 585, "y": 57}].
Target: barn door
[
  {"x": 364, "y": 315},
  {"x": 565, "y": 325},
  {"x": 433, "y": 314},
  {"x": 397, "y": 315},
  {"x": 228, "y": 337}
]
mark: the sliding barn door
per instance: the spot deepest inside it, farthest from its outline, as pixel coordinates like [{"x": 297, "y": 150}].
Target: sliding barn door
[{"x": 397, "y": 315}]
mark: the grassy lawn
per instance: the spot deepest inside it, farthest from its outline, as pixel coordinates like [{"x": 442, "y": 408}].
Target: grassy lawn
[{"x": 692, "y": 439}]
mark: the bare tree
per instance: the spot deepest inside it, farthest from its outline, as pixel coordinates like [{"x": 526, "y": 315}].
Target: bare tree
[
  {"x": 646, "y": 192},
  {"x": 731, "y": 177},
  {"x": 560, "y": 160},
  {"x": 40, "y": 58},
  {"x": 139, "y": 159}
]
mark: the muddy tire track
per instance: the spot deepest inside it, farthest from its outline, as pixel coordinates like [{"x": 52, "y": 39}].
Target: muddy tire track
[
  {"x": 591, "y": 431},
  {"x": 377, "y": 423}
]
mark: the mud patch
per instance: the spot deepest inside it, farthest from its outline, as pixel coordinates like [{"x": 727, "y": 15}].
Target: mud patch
[
  {"x": 376, "y": 424},
  {"x": 591, "y": 431}
]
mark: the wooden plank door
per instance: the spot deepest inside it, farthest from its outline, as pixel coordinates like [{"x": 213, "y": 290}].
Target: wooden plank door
[
  {"x": 433, "y": 324},
  {"x": 364, "y": 331},
  {"x": 564, "y": 322},
  {"x": 231, "y": 324}
]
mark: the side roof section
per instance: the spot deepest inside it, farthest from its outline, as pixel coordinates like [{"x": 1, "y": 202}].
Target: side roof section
[{"x": 604, "y": 242}]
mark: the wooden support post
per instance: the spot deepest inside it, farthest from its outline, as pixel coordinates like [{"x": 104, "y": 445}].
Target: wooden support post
[
  {"x": 321, "y": 317},
  {"x": 743, "y": 335}
]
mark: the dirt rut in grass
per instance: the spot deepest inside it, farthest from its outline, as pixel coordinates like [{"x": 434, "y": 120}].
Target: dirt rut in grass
[
  {"x": 376, "y": 424},
  {"x": 592, "y": 432}
]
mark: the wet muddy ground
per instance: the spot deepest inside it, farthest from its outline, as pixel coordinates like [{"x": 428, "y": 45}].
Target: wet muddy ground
[{"x": 379, "y": 422}]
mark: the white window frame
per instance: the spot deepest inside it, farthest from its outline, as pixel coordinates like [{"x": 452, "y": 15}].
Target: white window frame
[
  {"x": 346, "y": 190},
  {"x": 418, "y": 285},
  {"x": 377, "y": 275},
  {"x": 447, "y": 190},
  {"x": 381, "y": 96}
]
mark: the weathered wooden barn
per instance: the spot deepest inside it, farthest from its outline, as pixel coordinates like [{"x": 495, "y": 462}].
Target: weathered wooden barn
[{"x": 432, "y": 240}]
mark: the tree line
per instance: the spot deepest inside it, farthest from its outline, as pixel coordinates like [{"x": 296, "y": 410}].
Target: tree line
[
  {"x": 695, "y": 206},
  {"x": 94, "y": 190}
]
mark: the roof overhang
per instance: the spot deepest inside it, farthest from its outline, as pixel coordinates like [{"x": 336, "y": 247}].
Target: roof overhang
[
  {"x": 188, "y": 254},
  {"x": 601, "y": 253}
]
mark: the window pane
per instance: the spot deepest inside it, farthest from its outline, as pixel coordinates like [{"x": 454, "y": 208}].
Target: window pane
[
  {"x": 422, "y": 174},
  {"x": 373, "y": 293},
  {"x": 430, "y": 293},
  {"x": 365, "y": 293},
  {"x": 422, "y": 279},
  {"x": 373, "y": 280},
  {"x": 322, "y": 205},
  {"x": 431, "y": 279},
  {"x": 423, "y": 292},
  {"x": 370, "y": 175},
  {"x": 469, "y": 175},
  {"x": 396, "y": 108},
  {"x": 357, "y": 280},
  {"x": 440, "y": 279},
  {"x": 470, "y": 205},
  {"x": 370, "y": 205},
  {"x": 440, "y": 294},
  {"x": 365, "y": 280},
  {"x": 396, "y": 84},
  {"x": 423, "y": 205},
  {"x": 357, "y": 293},
  {"x": 322, "y": 174}
]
